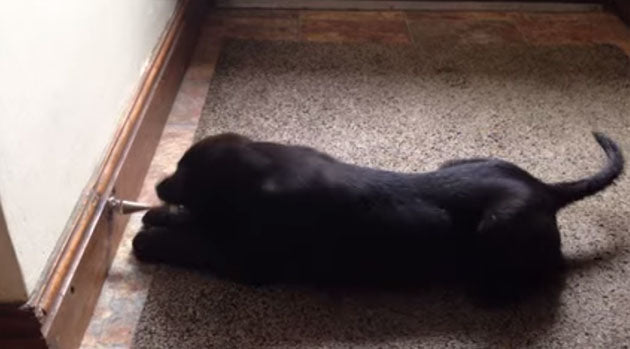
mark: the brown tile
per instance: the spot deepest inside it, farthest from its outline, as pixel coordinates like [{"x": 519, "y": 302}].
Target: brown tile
[
  {"x": 252, "y": 13},
  {"x": 205, "y": 58},
  {"x": 117, "y": 334},
  {"x": 89, "y": 342},
  {"x": 190, "y": 99},
  {"x": 254, "y": 26},
  {"x": 251, "y": 24},
  {"x": 352, "y": 16},
  {"x": 625, "y": 47},
  {"x": 447, "y": 28},
  {"x": 122, "y": 297},
  {"x": 354, "y": 26},
  {"x": 552, "y": 29},
  {"x": 543, "y": 17},
  {"x": 461, "y": 15},
  {"x": 608, "y": 28},
  {"x": 200, "y": 70},
  {"x": 536, "y": 28},
  {"x": 126, "y": 285},
  {"x": 433, "y": 33},
  {"x": 101, "y": 313},
  {"x": 386, "y": 31}
]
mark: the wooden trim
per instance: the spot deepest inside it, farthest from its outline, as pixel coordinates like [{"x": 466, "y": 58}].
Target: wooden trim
[
  {"x": 20, "y": 328},
  {"x": 12, "y": 287},
  {"x": 623, "y": 9},
  {"x": 551, "y": 6},
  {"x": 66, "y": 298}
]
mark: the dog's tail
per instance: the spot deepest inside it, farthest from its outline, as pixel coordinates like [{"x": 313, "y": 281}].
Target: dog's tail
[{"x": 568, "y": 192}]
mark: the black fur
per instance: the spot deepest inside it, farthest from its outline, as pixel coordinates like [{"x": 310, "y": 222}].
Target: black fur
[{"x": 260, "y": 212}]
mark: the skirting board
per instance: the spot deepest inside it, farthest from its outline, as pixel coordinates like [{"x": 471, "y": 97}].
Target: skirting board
[
  {"x": 20, "y": 328},
  {"x": 59, "y": 311},
  {"x": 412, "y": 5},
  {"x": 623, "y": 9}
]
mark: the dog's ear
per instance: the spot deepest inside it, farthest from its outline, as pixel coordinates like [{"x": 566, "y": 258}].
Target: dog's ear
[
  {"x": 237, "y": 167},
  {"x": 211, "y": 148}
]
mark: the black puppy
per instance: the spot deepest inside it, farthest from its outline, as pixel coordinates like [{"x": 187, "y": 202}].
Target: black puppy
[{"x": 261, "y": 212}]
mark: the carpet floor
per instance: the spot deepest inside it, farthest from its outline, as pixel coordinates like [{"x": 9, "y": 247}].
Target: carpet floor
[{"x": 409, "y": 108}]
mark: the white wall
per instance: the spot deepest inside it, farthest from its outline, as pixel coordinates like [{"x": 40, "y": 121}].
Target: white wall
[{"x": 68, "y": 71}]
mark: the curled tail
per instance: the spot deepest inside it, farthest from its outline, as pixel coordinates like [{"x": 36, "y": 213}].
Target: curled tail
[{"x": 568, "y": 192}]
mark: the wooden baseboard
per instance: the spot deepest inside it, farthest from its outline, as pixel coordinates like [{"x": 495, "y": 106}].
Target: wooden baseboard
[
  {"x": 20, "y": 328},
  {"x": 421, "y": 5},
  {"x": 623, "y": 9},
  {"x": 58, "y": 313}
]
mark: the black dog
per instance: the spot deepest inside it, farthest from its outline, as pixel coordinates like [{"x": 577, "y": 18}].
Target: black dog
[{"x": 260, "y": 212}]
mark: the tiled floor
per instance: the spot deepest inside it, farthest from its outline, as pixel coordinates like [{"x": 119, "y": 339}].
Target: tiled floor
[{"x": 125, "y": 290}]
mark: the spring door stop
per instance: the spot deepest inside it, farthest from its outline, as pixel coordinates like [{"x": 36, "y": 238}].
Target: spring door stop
[{"x": 125, "y": 206}]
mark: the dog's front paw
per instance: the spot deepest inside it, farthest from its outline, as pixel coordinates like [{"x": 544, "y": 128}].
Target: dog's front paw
[
  {"x": 171, "y": 246},
  {"x": 165, "y": 216},
  {"x": 155, "y": 216},
  {"x": 146, "y": 246}
]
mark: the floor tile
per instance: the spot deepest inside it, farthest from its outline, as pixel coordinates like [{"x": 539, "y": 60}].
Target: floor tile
[
  {"x": 552, "y": 29},
  {"x": 251, "y": 13},
  {"x": 354, "y": 26},
  {"x": 608, "y": 28},
  {"x": 204, "y": 60},
  {"x": 205, "y": 57},
  {"x": 461, "y": 15},
  {"x": 190, "y": 99},
  {"x": 253, "y": 25},
  {"x": 352, "y": 15},
  {"x": 122, "y": 297},
  {"x": 436, "y": 33}
]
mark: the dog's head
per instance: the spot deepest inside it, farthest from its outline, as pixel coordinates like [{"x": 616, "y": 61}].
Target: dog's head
[{"x": 215, "y": 167}]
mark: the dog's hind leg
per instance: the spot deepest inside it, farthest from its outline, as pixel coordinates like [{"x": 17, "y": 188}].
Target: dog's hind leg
[
  {"x": 502, "y": 211},
  {"x": 519, "y": 260}
]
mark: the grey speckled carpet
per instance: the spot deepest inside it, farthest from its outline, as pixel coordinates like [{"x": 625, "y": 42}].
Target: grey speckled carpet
[{"x": 407, "y": 109}]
